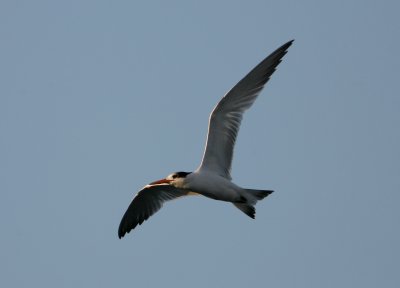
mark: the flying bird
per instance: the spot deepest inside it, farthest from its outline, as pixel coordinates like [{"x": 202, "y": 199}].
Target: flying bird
[{"x": 212, "y": 178}]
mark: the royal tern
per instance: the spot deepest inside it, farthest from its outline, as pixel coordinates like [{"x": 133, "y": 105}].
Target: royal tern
[{"x": 213, "y": 178}]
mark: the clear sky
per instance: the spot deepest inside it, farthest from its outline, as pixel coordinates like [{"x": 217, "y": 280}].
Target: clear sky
[{"x": 98, "y": 98}]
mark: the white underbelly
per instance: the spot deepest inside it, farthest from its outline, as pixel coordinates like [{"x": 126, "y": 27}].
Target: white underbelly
[{"x": 213, "y": 186}]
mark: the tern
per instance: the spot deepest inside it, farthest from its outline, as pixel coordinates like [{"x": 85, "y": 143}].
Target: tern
[{"x": 213, "y": 177}]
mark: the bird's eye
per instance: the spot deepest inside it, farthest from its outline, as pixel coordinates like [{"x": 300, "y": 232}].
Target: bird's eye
[{"x": 174, "y": 176}]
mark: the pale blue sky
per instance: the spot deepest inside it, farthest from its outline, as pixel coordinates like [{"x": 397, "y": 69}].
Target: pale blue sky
[{"x": 98, "y": 98}]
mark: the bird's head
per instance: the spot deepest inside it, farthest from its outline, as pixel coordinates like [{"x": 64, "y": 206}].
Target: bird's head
[{"x": 176, "y": 179}]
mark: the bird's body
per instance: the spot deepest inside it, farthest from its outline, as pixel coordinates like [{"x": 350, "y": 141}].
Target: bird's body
[
  {"x": 212, "y": 186},
  {"x": 212, "y": 179}
]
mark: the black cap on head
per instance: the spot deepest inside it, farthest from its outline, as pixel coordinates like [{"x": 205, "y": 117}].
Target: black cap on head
[{"x": 181, "y": 174}]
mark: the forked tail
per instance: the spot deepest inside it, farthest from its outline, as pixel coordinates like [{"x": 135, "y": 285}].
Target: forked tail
[{"x": 251, "y": 196}]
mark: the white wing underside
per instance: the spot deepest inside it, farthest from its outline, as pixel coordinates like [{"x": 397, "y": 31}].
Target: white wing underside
[{"x": 225, "y": 119}]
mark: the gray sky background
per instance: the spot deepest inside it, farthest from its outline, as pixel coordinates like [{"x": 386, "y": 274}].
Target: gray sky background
[{"x": 98, "y": 98}]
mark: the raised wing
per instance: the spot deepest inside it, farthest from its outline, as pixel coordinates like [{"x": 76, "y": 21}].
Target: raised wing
[
  {"x": 147, "y": 202},
  {"x": 226, "y": 117}
]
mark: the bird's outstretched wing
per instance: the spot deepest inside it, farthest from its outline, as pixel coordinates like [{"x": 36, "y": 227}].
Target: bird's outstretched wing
[
  {"x": 147, "y": 202},
  {"x": 226, "y": 117}
]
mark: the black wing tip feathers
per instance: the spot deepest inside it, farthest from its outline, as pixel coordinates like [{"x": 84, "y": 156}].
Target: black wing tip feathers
[
  {"x": 125, "y": 228},
  {"x": 269, "y": 192},
  {"x": 281, "y": 51},
  {"x": 289, "y": 42},
  {"x": 269, "y": 64},
  {"x": 122, "y": 230},
  {"x": 286, "y": 45}
]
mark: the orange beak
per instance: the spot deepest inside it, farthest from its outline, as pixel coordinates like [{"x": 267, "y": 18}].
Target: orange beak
[{"x": 162, "y": 181}]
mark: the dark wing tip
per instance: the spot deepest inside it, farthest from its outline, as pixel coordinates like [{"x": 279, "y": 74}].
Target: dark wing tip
[
  {"x": 262, "y": 72},
  {"x": 131, "y": 219},
  {"x": 289, "y": 43},
  {"x": 124, "y": 227},
  {"x": 285, "y": 46},
  {"x": 122, "y": 232},
  {"x": 129, "y": 222},
  {"x": 280, "y": 52}
]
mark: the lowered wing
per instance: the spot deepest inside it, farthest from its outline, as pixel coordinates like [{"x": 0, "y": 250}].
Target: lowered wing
[{"x": 147, "y": 202}]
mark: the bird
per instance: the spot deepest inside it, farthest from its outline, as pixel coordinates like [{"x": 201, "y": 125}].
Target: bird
[{"x": 213, "y": 177}]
